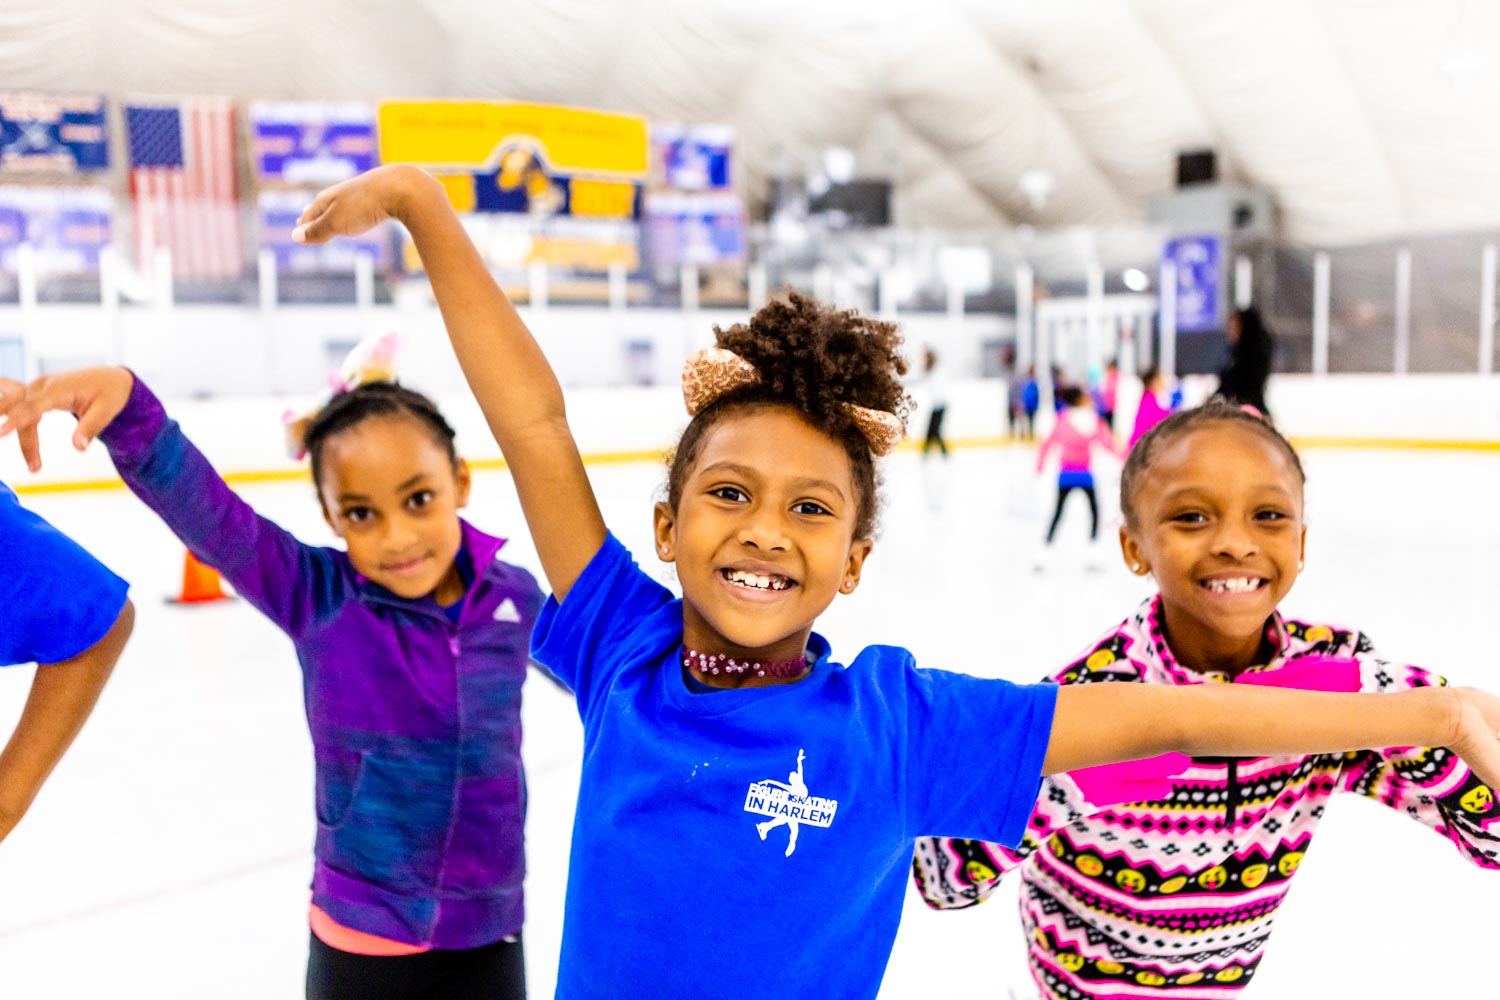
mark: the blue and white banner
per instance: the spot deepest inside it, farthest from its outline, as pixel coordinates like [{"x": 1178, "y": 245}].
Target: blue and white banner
[
  {"x": 1199, "y": 282},
  {"x": 277, "y": 213},
  {"x": 694, "y": 157},
  {"x": 312, "y": 142},
  {"x": 695, "y": 228},
  {"x": 67, "y": 226},
  {"x": 56, "y": 134}
]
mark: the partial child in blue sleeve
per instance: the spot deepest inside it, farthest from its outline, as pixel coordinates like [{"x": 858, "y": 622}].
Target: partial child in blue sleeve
[
  {"x": 63, "y": 610},
  {"x": 748, "y": 804}
]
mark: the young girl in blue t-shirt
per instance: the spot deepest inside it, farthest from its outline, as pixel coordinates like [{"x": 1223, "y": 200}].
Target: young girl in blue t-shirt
[{"x": 696, "y": 869}]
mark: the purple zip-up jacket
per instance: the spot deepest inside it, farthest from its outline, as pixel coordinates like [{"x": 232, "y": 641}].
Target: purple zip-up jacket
[{"x": 416, "y": 721}]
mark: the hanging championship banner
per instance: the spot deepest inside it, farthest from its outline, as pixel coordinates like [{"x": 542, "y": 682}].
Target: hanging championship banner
[
  {"x": 312, "y": 142},
  {"x": 522, "y": 158},
  {"x": 67, "y": 226},
  {"x": 277, "y": 213},
  {"x": 57, "y": 134},
  {"x": 547, "y": 185}
]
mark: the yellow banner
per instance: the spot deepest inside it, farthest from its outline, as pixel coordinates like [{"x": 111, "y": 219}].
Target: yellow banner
[{"x": 470, "y": 136}]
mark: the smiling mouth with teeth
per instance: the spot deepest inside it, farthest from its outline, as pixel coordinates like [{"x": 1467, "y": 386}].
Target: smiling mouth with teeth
[
  {"x": 756, "y": 582},
  {"x": 1239, "y": 585}
]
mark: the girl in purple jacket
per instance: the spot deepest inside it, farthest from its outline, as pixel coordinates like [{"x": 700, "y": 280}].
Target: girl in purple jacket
[{"x": 413, "y": 641}]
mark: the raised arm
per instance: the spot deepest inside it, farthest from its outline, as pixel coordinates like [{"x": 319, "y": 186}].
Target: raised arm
[
  {"x": 1099, "y": 723},
  {"x": 506, "y": 370}
]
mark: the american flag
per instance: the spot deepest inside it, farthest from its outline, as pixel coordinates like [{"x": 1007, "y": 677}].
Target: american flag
[{"x": 184, "y": 186}]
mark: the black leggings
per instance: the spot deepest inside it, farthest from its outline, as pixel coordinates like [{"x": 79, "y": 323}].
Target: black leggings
[
  {"x": 935, "y": 431},
  {"x": 1062, "y": 494},
  {"x": 492, "y": 972}
]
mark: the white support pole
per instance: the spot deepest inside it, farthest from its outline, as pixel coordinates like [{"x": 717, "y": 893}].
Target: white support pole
[
  {"x": 757, "y": 281},
  {"x": 1095, "y": 350},
  {"x": 886, "y": 296},
  {"x": 109, "y": 298},
  {"x": 109, "y": 278},
  {"x": 1143, "y": 341},
  {"x": 26, "y": 268},
  {"x": 689, "y": 278},
  {"x": 1046, "y": 329},
  {"x": 161, "y": 278},
  {"x": 1127, "y": 386},
  {"x": 1487, "y": 310},
  {"x": 618, "y": 287},
  {"x": 1402, "y": 359},
  {"x": 266, "y": 284},
  {"x": 822, "y": 277},
  {"x": 955, "y": 300},
  {"x": 1167, "y": 358},
  {"x": 1025, "y": 316},
  {"x": 364, "y": 282},
  {"x": 1244, "y": 285},
  {"x": 1322, "y": 283},
  {"x": 265, "y": 271},
  {"x": 536, "y": 281}
]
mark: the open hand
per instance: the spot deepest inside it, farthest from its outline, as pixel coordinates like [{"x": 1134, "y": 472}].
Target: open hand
[
  {"x": 359, "y": 204},
  {"x": 1478, "y": 741},
  {"x": 94, "y": 395}
]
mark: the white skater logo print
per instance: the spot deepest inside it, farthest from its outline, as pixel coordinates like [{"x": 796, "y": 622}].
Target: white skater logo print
[{"x": 789, "y": 805}]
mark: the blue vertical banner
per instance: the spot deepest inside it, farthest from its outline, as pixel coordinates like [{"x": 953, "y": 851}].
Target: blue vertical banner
[
  {"x": 1199, "y": 282},
  {"x": 694, "y": 157},
  {"x": 312, "y": 142},
  {"x": 60, "y": 135}
]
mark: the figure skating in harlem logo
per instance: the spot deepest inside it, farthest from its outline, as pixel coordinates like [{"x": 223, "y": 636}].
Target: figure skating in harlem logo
[{"x": 789, "y": 805}]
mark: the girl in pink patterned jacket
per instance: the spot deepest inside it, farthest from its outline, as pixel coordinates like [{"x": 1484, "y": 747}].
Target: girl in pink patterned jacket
[{"x": 1162, "y": 879}]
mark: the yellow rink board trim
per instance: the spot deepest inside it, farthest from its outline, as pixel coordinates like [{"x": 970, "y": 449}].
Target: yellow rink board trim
[{"x": 622, "y": 457}]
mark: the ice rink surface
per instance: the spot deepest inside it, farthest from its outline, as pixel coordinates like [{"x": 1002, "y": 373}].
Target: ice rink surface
[{"x": 169, "y": 856}]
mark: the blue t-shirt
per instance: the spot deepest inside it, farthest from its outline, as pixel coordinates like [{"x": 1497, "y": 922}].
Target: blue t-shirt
[
  {"x": 756, "y": 842},
  {"x": 56, "y": 600}
]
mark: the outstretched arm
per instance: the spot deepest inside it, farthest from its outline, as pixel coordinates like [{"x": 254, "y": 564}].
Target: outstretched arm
[
  {"x": 1099, "y": 723},
  {"x": 267, "y": 565},
  {"x": 62, "y": 696},
  {"x": 516, "y": 387}
]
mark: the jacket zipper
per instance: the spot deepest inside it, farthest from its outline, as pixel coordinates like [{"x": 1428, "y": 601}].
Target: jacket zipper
[
  {"x": 458, "y": 751},
  {"x": 1231, "y": 798}
]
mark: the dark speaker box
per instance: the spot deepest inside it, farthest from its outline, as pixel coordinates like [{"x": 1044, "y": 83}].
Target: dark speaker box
[{"x": 1196, "y": 166}]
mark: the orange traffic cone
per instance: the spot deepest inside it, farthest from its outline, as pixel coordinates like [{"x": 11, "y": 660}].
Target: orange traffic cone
[{"x": 200, "y": 583}]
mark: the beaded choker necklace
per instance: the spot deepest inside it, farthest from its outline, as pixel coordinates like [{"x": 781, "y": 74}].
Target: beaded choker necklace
[{"x": 719, "y": 663}]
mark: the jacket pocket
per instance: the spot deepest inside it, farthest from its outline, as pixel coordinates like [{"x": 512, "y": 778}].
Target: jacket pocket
[
  {"x": 338, "y": 775},
  {"x": 395, "y": 826}
]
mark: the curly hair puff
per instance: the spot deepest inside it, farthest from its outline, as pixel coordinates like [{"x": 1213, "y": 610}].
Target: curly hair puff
[{"x": 811, "y": 358}]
